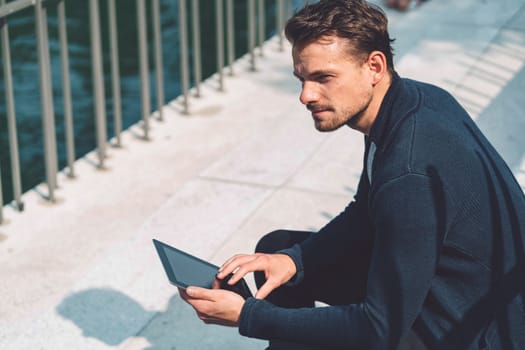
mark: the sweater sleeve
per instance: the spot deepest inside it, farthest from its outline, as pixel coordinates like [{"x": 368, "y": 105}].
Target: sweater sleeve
[
  {"x": 328, "y": 246},
  {"x": 407, "y": 229}
]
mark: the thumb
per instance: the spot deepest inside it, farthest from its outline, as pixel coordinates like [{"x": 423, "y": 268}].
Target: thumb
[
  {"x": 265, "y": 290},
  {"x": 198, "y": 292}
]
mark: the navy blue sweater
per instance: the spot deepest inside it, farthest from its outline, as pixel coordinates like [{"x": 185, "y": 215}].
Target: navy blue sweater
[{"x": 447, "y": 221}]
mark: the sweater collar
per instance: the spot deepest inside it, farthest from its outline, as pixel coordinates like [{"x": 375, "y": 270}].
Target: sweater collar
[{"x": 379, "y": 128}]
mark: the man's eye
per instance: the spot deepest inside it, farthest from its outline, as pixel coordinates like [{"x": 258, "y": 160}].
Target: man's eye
[{"x": 324, "y": 78}]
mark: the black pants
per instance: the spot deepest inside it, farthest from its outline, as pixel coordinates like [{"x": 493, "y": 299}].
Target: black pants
[{"x": 341, "y": 284}]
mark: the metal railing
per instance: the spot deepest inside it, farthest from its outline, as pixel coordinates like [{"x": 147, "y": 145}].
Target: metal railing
[{"x": 256, "y": 23}]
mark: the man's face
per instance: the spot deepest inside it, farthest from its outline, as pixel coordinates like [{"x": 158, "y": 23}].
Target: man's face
[{"x": 336, "y": 87}]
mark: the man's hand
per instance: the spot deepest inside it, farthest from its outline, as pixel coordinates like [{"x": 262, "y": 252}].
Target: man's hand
[
  {"x": 215, "y": 306},
  {"x": 278, "y": 269}
]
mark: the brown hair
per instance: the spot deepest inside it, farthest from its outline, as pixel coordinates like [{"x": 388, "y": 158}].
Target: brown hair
[{"x": 362, "y": 23}]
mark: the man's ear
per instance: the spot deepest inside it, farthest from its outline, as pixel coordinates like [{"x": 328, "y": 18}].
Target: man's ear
[{"x": 377, "y": 65}]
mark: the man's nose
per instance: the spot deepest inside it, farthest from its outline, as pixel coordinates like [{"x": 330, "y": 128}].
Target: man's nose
[{"x": 308, "y": 94}]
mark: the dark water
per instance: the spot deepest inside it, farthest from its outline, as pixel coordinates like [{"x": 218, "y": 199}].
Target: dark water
[{"x": 26, "y": 84}]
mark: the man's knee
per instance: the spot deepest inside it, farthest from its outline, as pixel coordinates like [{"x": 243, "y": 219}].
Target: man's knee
[
  {"x": 271, "y": 242},
  {"x": 280, "y": 239},
  {"x": 284, "y": 296}
]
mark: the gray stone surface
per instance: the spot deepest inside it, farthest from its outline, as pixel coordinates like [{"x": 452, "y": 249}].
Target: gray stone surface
[{"x": 83, "y": 274}]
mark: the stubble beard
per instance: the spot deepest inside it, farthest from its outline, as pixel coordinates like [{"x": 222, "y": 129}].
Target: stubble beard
[
  {"x": 355, "y": 120},
  {"x": 346, "y": 117},
  {"x": 327, "y": 126}
]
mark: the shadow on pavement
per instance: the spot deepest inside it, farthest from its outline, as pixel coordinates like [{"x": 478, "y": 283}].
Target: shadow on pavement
[{"x": 113, "y": 317}]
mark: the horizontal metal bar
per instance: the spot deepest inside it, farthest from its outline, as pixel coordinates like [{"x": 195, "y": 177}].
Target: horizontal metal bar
[{"x": 15, "y": 6}]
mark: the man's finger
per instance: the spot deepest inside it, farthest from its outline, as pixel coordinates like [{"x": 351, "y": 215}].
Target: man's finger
[
  {"x": 199, "y": 293},
  {"x": 210, "y": 320},
  {"x": 242, "y": 271},
  {"x": 259, "y": 263},
  {"x": 229, "y": 261},
  {"x": 183, "y": 294},
  {"x": 265, "y": 290},
  {"x": 235, "y": 260},
  {"x": 233, "y": 264}
]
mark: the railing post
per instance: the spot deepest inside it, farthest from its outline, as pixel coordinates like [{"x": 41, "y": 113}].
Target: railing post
[
  {"x": 197, "y": 71},
  {"x": 219, "y": 28},
  {"x": 115, "y": 72},
  {"x": 50, "y": 106},
  {"x": 184, "y": 55},
  {"x": 280, "y": 23},
  {"x": 46, "y": 98},
  {"x": 251, "y": 33},
  {"x": 1, "y": 199},
  {"x": 155, "y": 9},
  {"x": 230, "y": 20},
  {"x": 11, "y": 120},
  {"x": 2, "y": 23},
  {"x": 262, "y": 23},
  {"x": 98, "y": 82},
  {"x": 144, "y": 65},
  {"x": 66, "y": 88}
]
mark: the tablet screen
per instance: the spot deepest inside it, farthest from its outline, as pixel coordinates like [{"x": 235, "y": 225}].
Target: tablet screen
[{"x": 185, "y": 270}]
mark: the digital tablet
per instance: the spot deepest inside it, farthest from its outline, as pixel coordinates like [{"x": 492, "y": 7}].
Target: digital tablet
[{"x": 184, "y": 270}]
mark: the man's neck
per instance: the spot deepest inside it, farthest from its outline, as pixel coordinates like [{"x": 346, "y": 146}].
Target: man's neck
[{"x": 370, "y": 114}]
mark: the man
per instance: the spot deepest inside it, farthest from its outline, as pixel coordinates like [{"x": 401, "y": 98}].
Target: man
[{"x": 434, "y": 240}]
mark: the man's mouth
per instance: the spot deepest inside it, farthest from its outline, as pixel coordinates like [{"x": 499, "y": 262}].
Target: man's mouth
[{"x": 318, "y": 110}]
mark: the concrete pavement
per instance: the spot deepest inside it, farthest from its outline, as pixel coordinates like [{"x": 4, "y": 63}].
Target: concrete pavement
[{"x": 83, "y": 274}]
